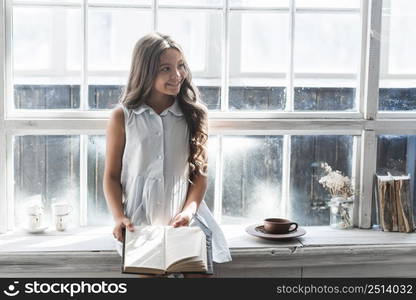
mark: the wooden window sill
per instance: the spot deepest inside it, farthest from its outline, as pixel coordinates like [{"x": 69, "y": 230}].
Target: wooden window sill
[{"x": 322, "y": 251}]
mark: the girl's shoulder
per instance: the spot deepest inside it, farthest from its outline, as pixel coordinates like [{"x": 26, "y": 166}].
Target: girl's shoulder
[
  {"x": 121, "y": 112},
  {"x": 117, "y": 117}
]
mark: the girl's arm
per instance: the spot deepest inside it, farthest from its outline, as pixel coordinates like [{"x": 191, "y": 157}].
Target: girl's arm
[
  {"x": 112, "y": 171},
  {"x": 196, "y": 193}
]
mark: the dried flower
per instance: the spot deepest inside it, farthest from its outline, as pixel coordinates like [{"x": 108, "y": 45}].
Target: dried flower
[{"x": 335, "y": 182}]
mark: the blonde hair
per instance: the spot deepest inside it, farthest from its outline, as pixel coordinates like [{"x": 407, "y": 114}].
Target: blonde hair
[{"x": 143, "y": 71}]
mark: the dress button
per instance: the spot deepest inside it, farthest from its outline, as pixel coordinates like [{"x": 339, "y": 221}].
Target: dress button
[
  {"x": 159, "y": 179},
  {"x": 159, "y": 157},
  {"x": 158, "y": 133}
]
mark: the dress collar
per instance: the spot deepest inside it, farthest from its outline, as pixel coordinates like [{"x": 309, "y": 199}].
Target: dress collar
[{"x": 174, "y": 109}]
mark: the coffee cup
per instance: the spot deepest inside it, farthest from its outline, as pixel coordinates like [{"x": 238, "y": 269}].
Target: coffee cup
[
  {"x": 279, "y": 226},
  {"x": 61, "y": 222},
  {"x": 60, "y": 212},
  {"x": 35, "y": 222}
]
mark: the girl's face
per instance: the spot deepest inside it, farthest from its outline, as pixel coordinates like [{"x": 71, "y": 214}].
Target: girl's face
[{"x": 171, "y": 73}]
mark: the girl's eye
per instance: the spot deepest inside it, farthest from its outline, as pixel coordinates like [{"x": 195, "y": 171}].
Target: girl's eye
[{"x": 167, "y": 69}]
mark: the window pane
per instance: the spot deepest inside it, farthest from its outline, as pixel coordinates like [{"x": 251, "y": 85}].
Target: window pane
[
  {"x": 328, "y": 3},
  {"x": 258, "y": 60},
  {"x": 398, "y": 64},
  {"x": 110, "y": 48},
  {"x": 110, "y": 51},
  {"x": 213, "y": 151},
  {"x": 326, "y": 56},
  {"x": 46, "y": 57},
  {"x": 199, "y": 34},
  {"x": 214, "y": 3},
  {"x": 259, "y": 3},
  {"x": 47, "y": 166},
  {"x": 308, "y": 199},
  {"x": 252, "y": 178},
  {"x": 141, "y": 2},
  {"x": 397, "y": 155},
  {"x": 51, "y": 1},
  {"x": 97, "y": 209}
]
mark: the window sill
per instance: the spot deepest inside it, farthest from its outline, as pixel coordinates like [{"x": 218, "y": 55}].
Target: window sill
[
  {"x": 100, "y": 239},
  {"x": 322, "y": 251}
]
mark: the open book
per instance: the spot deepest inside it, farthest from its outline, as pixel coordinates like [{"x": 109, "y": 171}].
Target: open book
[{"x": 164, "y": 249}]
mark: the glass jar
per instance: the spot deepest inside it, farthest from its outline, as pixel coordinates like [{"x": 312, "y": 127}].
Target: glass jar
[{"x": 341, "y": 212}]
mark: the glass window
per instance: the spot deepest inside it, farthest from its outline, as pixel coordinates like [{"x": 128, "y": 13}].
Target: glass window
[
  {"x": 248, "y": 178},
  {"x": 46, "y": 57},
  {"x": 213, "y": 152},
  {"x": 47, "y": 166},
  {"x": 132, "y": 2},
  {"x": 341, "y": 4},
  {"x": 258, "y": 60},
  {"x": 97, "y": 209},
  {"x": 259, "y": 3},
  {"x": 308, "y": 199},
  {"x": 52, "y": 1},
  {"x": 397, "y": 63},
  {"x": 396, "y": 154},
  {"x": 213, "y": 3},
  {"x": 326, "y": 61},
  {"x": 110, "y": 48},
  {"x": 199, "y": 34},
  {"x": 252, "y": 178},
  {"x": 110, "y": 51}
]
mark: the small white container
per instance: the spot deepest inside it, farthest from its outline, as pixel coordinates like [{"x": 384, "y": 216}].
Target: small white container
[
  {"x": 34, "y": 214},
  {"x": 60, "y": 213}
]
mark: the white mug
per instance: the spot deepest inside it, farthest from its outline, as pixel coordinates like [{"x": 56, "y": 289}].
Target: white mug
[
  {"x": 34, "y": 221},
  {"x": 60, "y": 212},
  {"x": 61, "y": 222}
]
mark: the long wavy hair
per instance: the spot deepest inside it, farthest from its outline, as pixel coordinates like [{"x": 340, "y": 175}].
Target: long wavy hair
[{"x": 143, "y": 71}]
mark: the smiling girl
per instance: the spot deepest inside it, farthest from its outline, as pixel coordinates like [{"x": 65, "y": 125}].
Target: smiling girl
[{"x": 156, "y": 156}]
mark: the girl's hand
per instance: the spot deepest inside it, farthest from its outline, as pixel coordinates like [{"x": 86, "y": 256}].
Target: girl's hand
[
  {"x": 181, "y": 219},
  {"x": 120, "y": 225}
]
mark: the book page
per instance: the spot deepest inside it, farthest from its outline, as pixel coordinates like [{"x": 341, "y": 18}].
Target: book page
[
  {"x": 183, "y": 242},
  {"x": 145, "y": 247}
]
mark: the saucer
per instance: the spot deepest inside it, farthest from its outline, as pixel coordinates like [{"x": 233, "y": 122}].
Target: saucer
[
  {"x": 258, "y": 231},
  {"x": 35, "y": 230}
]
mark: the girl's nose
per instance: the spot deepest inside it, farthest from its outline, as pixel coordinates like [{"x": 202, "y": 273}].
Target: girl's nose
[{"x": 176, "y": 75}]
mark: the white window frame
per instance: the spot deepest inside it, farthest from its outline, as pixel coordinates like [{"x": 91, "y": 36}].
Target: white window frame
[{"x": 365, "y": 124}]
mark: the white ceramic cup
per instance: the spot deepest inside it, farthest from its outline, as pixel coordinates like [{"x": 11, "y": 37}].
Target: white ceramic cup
[
  {"x": 35, "y": 221},
  {"x": 61, "y": 222},
  {"x": 60, "y": 212}
]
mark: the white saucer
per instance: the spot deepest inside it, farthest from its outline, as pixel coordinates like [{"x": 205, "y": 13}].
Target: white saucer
[{"x": 35, "y": 230}]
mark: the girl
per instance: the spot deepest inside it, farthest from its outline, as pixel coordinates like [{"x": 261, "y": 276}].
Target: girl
[{"x": 156, "y": 160}]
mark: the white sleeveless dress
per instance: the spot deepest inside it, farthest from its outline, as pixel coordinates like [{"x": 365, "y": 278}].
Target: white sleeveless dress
[{"x": 155, "y": 171}]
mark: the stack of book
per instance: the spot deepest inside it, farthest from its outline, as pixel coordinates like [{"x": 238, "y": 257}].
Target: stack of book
[{"x": 393, "y": 203}]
